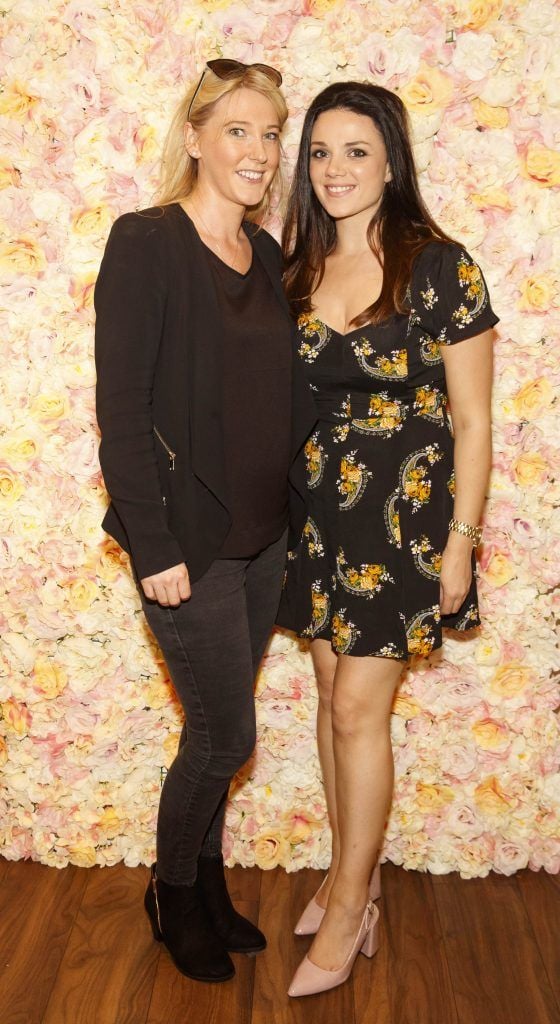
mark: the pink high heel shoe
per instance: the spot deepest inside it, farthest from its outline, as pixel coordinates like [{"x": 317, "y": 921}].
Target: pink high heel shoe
[
  {"x": 310, "y": 979},
  {"x": 313, "y": 914}
]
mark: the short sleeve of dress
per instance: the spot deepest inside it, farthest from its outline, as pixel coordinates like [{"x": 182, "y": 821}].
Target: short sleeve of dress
[{"x": 454, "y": 294}]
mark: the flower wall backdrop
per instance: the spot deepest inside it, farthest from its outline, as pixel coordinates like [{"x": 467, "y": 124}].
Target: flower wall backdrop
[{"x": 88, "y": 718}]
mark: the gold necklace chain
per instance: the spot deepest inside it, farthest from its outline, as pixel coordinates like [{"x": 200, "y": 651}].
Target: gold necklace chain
[{"x": 214, "y": 239}]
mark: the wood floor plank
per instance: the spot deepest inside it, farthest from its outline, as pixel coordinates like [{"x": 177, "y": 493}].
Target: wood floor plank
[
  {"x": 38, "y": 906},
  {"x": 408, "y": 980},
  {"x": 110, "y": 961},
  {"x": 496, "y": 969},
  {"x": 540, "y": 892},
  {"x": 176, "y": 998},
  {"x": 283, "y": 898}
]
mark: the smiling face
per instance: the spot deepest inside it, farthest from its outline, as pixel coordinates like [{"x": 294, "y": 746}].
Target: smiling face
[
  {"x": 238, "y": 148},
  {"x": 348, "y": 164}
]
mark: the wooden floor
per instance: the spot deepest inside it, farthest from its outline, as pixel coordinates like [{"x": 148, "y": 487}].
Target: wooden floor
[{"x": 76, "y": 948}]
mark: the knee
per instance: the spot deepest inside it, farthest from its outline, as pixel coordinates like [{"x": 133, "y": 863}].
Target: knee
[
  {"x": 229, "y": 757},
  {"x": 351, "y": 716}
]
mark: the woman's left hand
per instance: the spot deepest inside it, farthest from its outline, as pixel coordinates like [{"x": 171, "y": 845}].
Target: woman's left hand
[{"x": 456, "y": 573}]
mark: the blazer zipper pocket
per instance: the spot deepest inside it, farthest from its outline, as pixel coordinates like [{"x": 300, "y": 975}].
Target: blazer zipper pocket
[{"x": 171, "y": 455}]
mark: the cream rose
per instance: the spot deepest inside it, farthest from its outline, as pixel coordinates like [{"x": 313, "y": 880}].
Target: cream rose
[
  {"x": 49, "y": 406},
  {"x": 11, "y": 488},
  {"x": 271, "y": 850},
  {"x": 537, "y": 294}
]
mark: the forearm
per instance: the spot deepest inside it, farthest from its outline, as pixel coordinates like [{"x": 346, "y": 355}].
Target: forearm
[{"x": 472, "y": 462}]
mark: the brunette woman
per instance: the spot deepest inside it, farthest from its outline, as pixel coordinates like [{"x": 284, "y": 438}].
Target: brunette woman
[
  {"x": 203, "y": 412},
  {"x": 394, "y": 320}
]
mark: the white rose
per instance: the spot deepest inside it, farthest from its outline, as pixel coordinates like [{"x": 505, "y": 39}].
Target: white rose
[
  {"x": 501, "y": 89},
  {"x": 473, "y": 54}
]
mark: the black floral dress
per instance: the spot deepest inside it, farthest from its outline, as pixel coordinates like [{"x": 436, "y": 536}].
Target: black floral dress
[{"x": 365, "y": 574}]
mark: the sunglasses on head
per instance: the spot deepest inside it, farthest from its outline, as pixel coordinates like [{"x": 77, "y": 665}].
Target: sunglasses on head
[{"x": 229, "y": 69}]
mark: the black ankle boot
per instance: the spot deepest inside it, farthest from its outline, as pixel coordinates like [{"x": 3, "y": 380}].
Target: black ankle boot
[
  {"x": 236, "y": 933},
  {"x": 180, "y": 921}
]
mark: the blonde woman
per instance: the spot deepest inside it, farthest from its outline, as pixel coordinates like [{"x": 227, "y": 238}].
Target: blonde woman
[{"x": 203, "y": 414}]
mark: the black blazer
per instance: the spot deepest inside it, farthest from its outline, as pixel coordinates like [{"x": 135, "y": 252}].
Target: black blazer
[{"x": 157, "y": 347}]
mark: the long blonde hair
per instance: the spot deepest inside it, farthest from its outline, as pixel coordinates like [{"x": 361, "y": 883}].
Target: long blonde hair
[{"x": 179, "y": 171}]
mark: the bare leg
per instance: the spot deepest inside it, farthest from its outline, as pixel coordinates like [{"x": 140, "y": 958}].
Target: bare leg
[
  {"x": 325, "y": 662},
  {"x": 363, "y": 694}
]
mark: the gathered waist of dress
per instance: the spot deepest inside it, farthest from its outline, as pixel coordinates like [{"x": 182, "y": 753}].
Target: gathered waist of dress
[{"x": 333, "y": 406}]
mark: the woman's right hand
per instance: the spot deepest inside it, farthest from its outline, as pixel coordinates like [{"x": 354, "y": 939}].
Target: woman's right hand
[{"x": 169, "y": 587}]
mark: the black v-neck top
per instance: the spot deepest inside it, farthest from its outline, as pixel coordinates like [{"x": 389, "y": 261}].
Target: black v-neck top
[{"x": 256, "y": 402}]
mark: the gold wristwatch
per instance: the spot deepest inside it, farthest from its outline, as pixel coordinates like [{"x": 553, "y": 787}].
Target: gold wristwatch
[{"x": 474, "y": 532}]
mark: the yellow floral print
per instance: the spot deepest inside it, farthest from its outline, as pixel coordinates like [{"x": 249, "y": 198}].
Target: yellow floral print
[
  {"x": 311, "y": 327},
  {"x": 431, "y": 403},
  {"x": 395, "y": 367},
  {"x": 313, "y": 538},
  {"x": 415, "y": 482},
  {"x": 392, "y": 519},
  {"x": 430, "y": 352},
  {"x": 352, "y": 481},
  {"x": 363, "y": 582},
  {"x": 470, "y": 280},
  {"x": 320, "y": 608},
  {"x": 470, "y": 618},
  {"x": 429, "y": 297},
  {"x": 385, "y": 415},
  {"x": 315, "y": 460},
  {"x": 430, "y": 568},
  {"x": 419, "y": 632},
  {"x": 344, "y": 634}
]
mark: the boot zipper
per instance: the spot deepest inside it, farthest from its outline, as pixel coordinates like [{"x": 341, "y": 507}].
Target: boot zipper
[{"x": 172, "y": 455}]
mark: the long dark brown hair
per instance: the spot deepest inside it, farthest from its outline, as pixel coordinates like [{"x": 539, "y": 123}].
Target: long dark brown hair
[{"x": 398, "y": 231}]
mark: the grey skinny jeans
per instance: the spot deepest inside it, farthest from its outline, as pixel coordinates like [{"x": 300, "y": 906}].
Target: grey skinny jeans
[{"x": 212, "y": 644}]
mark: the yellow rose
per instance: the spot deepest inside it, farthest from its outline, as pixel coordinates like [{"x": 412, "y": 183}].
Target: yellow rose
[
  {"x": 490, "y": 117},
  {"x": 499, "y": 570},
  {"x": 536, "y": 294},
  {"x": 319, "y": 7},
  {"x": 299, "y": 825},
  {"x": 492, "y": 197},
  {"x": 533, "y": 398},
  {"x": 170, "y": 747},
  {"x": 82, "y": 854},
  {"x": 93, "y": 220},
  {"x": 479, "y": 12},
  {"x": 11, "y": 487},
  {"x": 510, "y": 679},
  {"x": 158, "y": 694},
  {"x": 430, "y": 798},
  {"x": 490, "y": 735},
  {"x": 16, "y": 716},
  {"x": 110, "y": 822},
  {"x": 49, "y": 407},
  {"x": 22, "y": 256},
  {"x": 271, "y": 850},
  {"x": 542, "y": 165},
  {"x": 9, "y": 175},
  {"x": 81, "y": 289},
  {"x": 81, "y": 594},
  {"x": 428, "y": 91},
  {"x": 530, "y": 469},
  {"x": 50, "y": 678},
  {"x": 111, "y": 562},
  {"x": 491, "y": 799},
  {"x": 3, "y": 752},
  {"x": 147, "y": 143},
  {"x": 20, "y": 448},
  {"x": 16, "y": 100},
  {"x": 406, "y": 706}
]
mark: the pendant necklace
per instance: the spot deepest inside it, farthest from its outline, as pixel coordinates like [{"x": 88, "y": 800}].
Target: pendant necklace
[{"x": 215, "y": 240}]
